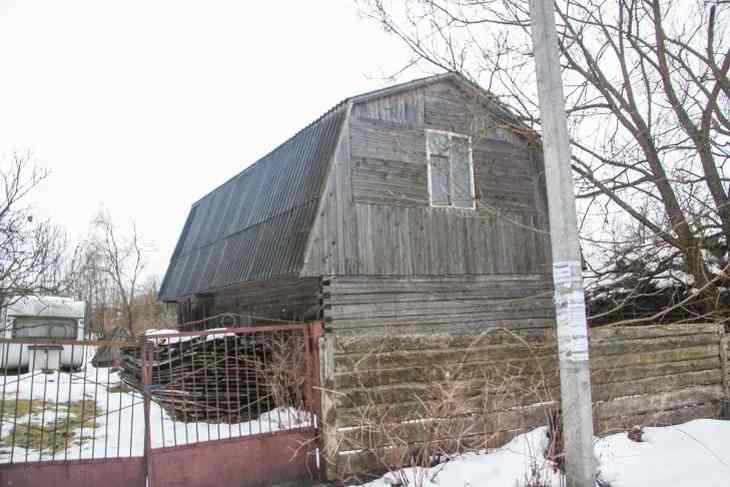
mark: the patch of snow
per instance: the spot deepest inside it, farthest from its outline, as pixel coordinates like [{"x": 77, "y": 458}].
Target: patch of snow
[
  {"x": 163, "y": 336},
  {"x": 693, "y": 454}
]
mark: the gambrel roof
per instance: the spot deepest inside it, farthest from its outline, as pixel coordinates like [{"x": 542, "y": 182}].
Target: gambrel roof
[{"x": 256, "y": 225}]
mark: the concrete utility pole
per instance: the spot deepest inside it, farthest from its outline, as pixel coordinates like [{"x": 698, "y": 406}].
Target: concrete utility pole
[{"x": 575, "y": 381}]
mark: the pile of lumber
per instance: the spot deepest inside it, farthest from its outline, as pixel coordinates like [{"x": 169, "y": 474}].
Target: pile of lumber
[{"x": 214, "y": 378}]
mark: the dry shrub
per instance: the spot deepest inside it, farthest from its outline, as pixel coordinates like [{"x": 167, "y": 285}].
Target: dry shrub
[
  {"x": 282, "y": 369},
  {"x": 407, "y": 446},
  {"x": 536, "y": 476},
  {"x": 555, "y": 452},
  {"x": 449, "y": 409}
]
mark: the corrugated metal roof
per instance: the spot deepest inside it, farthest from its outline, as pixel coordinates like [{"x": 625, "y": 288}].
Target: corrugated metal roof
[{"x": 255, "y": 225}]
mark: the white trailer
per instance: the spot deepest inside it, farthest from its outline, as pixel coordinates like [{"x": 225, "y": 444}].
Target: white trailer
[{"x": 42, "y": 318}]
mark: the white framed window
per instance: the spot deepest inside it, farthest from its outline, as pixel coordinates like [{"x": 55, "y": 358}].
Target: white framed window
[{"x": 450, "y": 169}]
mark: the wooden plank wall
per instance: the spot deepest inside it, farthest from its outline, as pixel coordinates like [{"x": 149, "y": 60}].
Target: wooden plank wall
[
  {"x": 400, "y": 234},
  {"x": 272, "y": 301},
  {"x": 376, "y": 218},
  {"x": 407, "y": 108},
  {"x": 499, "y": 383},
  {"x": 333, "y": 237},
  {"x": 437, "y": 303}
]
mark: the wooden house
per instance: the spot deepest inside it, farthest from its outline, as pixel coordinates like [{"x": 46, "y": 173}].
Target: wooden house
[
  {"x": 418, "y": 204},
  {"x": 418, "y": 209}
]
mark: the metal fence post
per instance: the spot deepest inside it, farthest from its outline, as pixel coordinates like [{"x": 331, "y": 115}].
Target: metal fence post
[
  {"x": 146, "y": 383},
  {"x": 316, "y": 332},
  {"x": 307, "y": 396}
]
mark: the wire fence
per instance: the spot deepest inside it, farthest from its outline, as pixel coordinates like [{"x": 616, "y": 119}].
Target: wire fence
[
  {"x": 225, "y": 383},
  {"x": 69, "y": 399},
  {"x": 56, "y": 405}
]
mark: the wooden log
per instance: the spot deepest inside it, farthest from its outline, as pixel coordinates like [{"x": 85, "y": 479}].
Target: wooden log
[
  {"x": 629, "y": 355},
  {"x": 649, "y": 403},
  {"x": 374, "y": 435},
  {"x": 384, "y": 342},
  {"x": 652, "y": 331}
]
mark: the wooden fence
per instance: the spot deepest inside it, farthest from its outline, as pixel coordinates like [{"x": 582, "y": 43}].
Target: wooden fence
[{"x": 389, "y": 393}]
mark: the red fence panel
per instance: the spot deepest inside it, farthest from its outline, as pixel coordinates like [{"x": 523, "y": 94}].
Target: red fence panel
[
  {"x": 251, "y": 461},
  {"x": 109, "y": 472}
]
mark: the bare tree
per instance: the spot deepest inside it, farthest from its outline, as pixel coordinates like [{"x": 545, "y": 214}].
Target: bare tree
[
  {"x": 150, "y": 312},
  {"x": 647, "y": 93},
  {"x": 86, "y": 279},
  {"x": 30, "y": 248},
  {"x": 122, "y": 259}
]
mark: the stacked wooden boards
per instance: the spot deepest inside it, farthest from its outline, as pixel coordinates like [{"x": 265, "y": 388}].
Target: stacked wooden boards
[
  {"x": 221, "y": 378},
  {"x": 503, "y": 381}
]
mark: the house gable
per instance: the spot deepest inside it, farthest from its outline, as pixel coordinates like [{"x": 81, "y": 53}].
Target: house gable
[{"x": 377, "y": 216}]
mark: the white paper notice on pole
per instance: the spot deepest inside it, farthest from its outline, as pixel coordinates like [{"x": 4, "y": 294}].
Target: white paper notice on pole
[
  {"x": 573, "y": 338},
  {"x": 567, "y": 273},
  {"x": 570, "y": 311}
]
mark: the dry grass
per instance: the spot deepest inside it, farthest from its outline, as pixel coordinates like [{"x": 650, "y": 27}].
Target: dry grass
[
  {"x": 44, "y": 435},
  {"x": 12, "y": 408}
]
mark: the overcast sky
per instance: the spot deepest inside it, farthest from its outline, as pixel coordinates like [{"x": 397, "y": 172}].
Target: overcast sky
[{"x": 141, "y": 107}]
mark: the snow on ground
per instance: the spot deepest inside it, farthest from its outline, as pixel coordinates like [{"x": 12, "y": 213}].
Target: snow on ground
[
  {"x": 121, "y": 431},
  {"x": 693, "y": 454}
]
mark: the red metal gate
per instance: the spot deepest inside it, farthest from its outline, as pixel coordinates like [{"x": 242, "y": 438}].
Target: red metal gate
[
  {"x": 230, "y": 406},
  {"x": 252, "y": 387}
]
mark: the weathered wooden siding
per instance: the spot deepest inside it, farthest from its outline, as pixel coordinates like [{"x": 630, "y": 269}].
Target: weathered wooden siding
[
  {"x": 194, "y": 308},
  {"x": 406, "y": 108},
  {"x": 503, "y": 381},
  {"x": 376, "y": 219},
  {"x": 271, "y": 301},
  {"x": 331, "y": 248},
  {"x": 438, "y": 304},
  {"x": 390, "y": 167}
]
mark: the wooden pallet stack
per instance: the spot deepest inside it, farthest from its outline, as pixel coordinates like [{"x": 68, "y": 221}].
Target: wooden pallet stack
[{"x": 214, "y": 378}]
